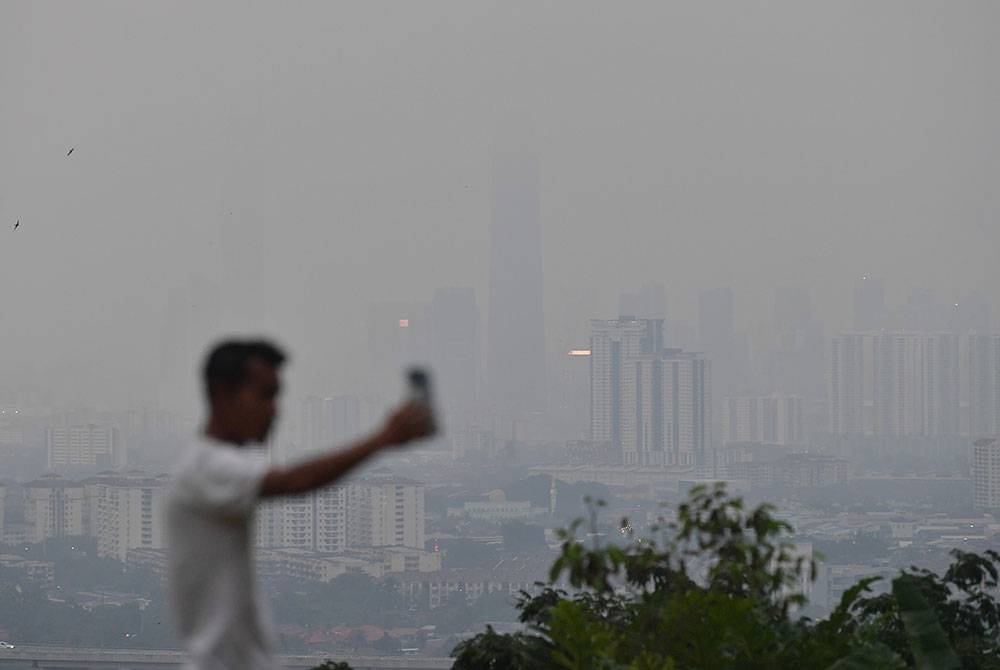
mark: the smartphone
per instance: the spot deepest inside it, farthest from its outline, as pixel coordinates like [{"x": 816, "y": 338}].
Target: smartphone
[{"x": 419, "y": 382}]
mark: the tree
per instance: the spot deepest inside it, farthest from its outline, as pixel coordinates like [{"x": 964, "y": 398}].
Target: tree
[{"x": 716, "y": 588}]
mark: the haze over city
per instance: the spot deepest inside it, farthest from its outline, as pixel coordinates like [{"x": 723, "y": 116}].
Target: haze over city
[{"x": 639, "y": 246}]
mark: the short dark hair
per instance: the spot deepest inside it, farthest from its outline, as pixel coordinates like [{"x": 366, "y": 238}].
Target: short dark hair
[{"x": 226, "y": 362}]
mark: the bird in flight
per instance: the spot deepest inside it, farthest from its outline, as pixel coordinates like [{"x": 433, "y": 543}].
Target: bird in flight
[
  {"x": 70, "y": 151},
  {"x": 17, "y": 225}
]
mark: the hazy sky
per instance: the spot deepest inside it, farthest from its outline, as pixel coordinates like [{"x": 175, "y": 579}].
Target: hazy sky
[{"x": 333, "y": 154}]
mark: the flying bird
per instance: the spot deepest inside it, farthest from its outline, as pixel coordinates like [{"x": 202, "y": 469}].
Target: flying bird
[
  {"x": 70, "y": 151},
  {"x": 17, "y": 225}
]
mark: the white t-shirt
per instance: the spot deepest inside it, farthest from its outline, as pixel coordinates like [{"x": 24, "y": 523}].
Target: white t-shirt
[{"x": 213, "y": 589}]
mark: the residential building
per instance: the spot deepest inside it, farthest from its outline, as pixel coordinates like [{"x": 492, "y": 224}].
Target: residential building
[
  {"x": 130, "y": 512},
  {"x": 54, "y": 507},
  {"x": 774, "y": 419},
  {"x": 85, "y": 445},
  {"x": 986, "y": 474},
  {"x": 895, "y": 385},
  {"x": 613, "y": 343},
  {"x": 984, "y": 384}
]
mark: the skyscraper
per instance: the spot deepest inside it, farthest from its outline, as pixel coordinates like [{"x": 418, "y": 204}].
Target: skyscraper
[
  {"x": 651, "y": 404},
  {"x": 984, "y": 385},
  {"x": 847, "y": 388},
  {"x": 516, "y": 365},
  {"x": 613, "y": 343},
  {"x": 909, "y": 381},
  {"x": 668, "y": 415}
]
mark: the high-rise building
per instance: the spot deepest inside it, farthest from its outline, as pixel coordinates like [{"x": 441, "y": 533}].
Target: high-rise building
[
  {"x": 984, "y": 384},
  {"x": 612, "y": 344},
  {"x": 311, "y": 522},
  {"x": 773, "y": 419},
  {"x": 54, "y": 507},
  {"x": 516, "y": 339},
  {"x": 456, "y": 349},
  {"x": 385, "y": 511},
  {"x": 986, "y": 474},
  {"x": 847, "y": 387},
  {"x": 129, "y": 513},
  {"x": 895, "y": 385},
  {"x": 375, "y": 510},
  {"x": 667, "y": 409},
  {"x": 84, "y": 446},
  {"x": 652, "y": 405}
]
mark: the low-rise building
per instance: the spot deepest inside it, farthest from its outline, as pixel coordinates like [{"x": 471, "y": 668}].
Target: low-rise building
[{"x": 40, "y": 571}]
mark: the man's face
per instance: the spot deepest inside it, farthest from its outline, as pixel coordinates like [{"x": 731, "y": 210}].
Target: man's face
[{"x": 254, "y": 405}]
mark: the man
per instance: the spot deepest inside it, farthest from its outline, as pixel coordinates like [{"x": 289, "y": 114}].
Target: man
[{"x": 213, "y": 493}]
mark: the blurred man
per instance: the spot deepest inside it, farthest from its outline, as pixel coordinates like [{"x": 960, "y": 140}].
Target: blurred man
[{"x": 213, "y": 493}]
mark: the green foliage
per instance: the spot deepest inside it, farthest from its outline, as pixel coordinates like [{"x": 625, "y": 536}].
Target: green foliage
[
  {"x": 717, "y": 588},
  {"x": 332, "y": 665},
  {"x": 928, "y": 641}
]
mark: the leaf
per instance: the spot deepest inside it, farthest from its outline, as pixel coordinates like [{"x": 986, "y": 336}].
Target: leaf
[
  {"x": 874, "y": 656},
  {"x": 928, "y": 641}
]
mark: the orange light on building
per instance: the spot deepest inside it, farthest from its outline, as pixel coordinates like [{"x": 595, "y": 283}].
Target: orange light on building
[
  {"x": 404, "y": 323},
  {"x": 579, "y": 352}
]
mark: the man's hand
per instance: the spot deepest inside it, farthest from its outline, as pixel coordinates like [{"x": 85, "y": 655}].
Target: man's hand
[{"x": 412, "y": 421}]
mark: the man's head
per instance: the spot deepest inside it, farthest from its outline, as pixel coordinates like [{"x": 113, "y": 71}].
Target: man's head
[{"x": 241, "y": 383}]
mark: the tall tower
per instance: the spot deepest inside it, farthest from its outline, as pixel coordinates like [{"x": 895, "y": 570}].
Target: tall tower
[{"x": 516, "y": 364}]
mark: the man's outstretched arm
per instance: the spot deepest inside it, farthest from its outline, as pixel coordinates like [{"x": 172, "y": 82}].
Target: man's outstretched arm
[{"x": 411, "y": 422}]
